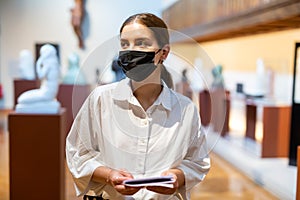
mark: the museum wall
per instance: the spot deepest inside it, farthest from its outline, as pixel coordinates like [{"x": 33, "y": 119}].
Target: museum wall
[
  {"x": 276, "y": 48},
  {"x": 238, "y": 57},
  {"x": 24, "y": 23}
]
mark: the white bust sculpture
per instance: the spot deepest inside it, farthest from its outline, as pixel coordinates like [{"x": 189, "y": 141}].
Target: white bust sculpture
[
  {"x": 26, "y": 65},
  {"x": 43, "y": 100}
]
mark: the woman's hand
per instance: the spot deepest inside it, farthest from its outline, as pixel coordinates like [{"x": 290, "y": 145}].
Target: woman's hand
[
  {"x": 178, "y": 178},
  {"x": 116, "y": 178}
]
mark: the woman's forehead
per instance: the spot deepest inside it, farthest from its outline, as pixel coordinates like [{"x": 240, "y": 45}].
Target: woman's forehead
[{"x": 136, "y": 30}]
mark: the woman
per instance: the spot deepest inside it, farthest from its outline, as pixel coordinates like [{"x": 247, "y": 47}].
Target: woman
[{"x": 138, "y": 127}]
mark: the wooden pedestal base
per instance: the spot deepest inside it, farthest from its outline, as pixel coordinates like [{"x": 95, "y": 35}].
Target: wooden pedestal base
[
  {"x": 36, "y": 156},
  {"x": 276, "y": 131},
  {"x": 72, "y": 97},
  {"x": 276, "y": 128}
]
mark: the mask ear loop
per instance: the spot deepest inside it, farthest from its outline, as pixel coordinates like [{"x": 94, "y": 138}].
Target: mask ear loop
[{"x": 158, "y": 51}]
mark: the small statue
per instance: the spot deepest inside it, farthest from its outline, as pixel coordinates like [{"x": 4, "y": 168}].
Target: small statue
[
  {"x": 26, "y": 65},
  {"x": 78, "y": 13},
  {"x": 260, "y": 88},
  {"x": 74, "y": 74},
  {"x": 218, "y": 81},
  {"x": 183, "y": 86},
  {"x": 43, "y": 100}
]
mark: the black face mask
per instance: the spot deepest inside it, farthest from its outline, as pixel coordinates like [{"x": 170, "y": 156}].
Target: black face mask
[{"x": 137, "y": 65}]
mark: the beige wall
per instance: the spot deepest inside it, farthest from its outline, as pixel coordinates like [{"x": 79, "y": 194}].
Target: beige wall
[
  {"x": 276, "y": 48},
  {"x": 240, "y": 54}
]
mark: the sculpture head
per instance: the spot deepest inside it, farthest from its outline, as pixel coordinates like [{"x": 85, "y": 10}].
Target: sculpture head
[
  {"x": 47, "y": 51},
  {"x": 48, "y": 54},
  {"x": 26, "y": 54},
  {"x": 217, "y": 71}
]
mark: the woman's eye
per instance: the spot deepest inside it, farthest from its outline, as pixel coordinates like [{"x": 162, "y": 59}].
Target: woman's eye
[
  {"x": 139, "y": 43},
  {"x": 124, "y": 44},
  {"x": 142, "y": 43}
]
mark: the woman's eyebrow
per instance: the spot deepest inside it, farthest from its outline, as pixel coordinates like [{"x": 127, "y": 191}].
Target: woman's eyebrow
[{"x": 143, "y": 38}]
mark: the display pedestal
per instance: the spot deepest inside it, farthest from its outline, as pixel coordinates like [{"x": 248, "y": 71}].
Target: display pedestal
[
  {"x": 37, "y": 156},
  {"x": 225, "y": 129},
  {"x": 205, "y": 107},
  {"x": 250, "y": 120},
  {"x": 72, "y": 97},
  {"x": 276, "y": 128},
  {"x": 215, "y": 109}
]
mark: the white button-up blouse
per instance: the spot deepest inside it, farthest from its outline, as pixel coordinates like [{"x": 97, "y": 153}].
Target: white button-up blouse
[{"x": 112, "y": 129}]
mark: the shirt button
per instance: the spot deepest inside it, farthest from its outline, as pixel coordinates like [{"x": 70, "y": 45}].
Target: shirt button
[{"x": 145, "y": 122}]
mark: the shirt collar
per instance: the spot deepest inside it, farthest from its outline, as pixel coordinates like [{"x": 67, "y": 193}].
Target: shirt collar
[
  {"x": 164, "y": 98},
  {"x": 123, "y": 92}
]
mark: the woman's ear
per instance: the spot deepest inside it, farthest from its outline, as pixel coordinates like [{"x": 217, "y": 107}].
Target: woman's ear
[{"x": 165, "y": 51}]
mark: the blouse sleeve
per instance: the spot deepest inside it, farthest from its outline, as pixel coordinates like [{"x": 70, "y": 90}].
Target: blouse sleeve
[
  {"x": 82, "y": 152},
  {"x": 196, "y": 163}
]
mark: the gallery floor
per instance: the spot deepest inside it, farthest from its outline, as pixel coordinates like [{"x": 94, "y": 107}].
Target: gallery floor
[{"x": 223, "y": 181}]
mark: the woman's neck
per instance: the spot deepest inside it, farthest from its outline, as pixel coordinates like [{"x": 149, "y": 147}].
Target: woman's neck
[{"x": 146, "y": 94}]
